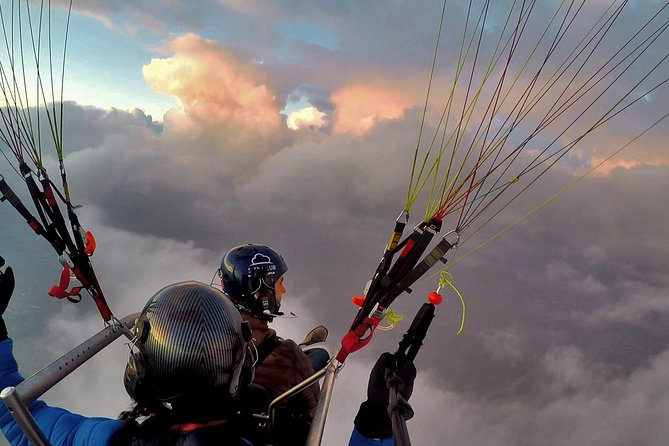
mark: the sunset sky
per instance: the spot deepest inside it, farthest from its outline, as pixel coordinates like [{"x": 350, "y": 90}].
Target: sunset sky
[{"x": 193, "y": 127}]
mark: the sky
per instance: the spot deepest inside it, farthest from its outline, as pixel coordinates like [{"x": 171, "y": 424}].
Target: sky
[{"x": 190, "y": 130}]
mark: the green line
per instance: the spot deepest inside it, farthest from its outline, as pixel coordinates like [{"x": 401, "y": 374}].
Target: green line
[{"x": 555, "y": 195}]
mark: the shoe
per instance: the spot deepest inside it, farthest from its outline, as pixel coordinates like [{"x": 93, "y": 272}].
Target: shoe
[{"x": 318, "y": 334}]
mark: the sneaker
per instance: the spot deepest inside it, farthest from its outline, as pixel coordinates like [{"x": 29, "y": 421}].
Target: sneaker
[{"x": 318, "y": 334}]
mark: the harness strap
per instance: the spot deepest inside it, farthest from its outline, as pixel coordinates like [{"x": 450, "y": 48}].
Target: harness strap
[
  {"x": 9, "y": 195},
  {"x": 266, "y": 348}
]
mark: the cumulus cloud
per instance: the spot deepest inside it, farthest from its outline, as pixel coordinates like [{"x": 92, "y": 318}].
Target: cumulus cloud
[
  {"x": 359, "y": 107},
  {"x": 219, "y": 93},
  {"x": 306, "y": 117}
]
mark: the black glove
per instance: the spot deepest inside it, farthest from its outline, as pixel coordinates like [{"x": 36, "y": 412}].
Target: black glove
[
  {"x": 6, "y": 290},
  {"x": 372, "y": 419}
]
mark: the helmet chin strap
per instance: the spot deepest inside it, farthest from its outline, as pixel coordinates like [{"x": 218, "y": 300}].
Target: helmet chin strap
[{"x": 265, "y": 300}]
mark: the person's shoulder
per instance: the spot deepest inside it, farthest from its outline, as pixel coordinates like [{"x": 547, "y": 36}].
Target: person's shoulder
[
  {"x": 6, "y": 346},
  {"x": 288, "y": 345},
  {"x": 293, "y": 355}
]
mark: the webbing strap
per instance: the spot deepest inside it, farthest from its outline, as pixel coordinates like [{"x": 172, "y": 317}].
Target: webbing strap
[
  {"x": 374, "y": 310},
  {"x": 266, "y": 348},
  {"x": 9, "y": 195},
  {"x": 53, "y": 211},
  {"x": 54, "y": 233},
  {"x": 414, "y": 247},
  {"x": 436, "y": 254}
]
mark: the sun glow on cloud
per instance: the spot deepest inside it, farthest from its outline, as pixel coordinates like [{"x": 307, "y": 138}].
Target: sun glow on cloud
[
  {"x": 609, "y": 165},
  {"x": 214, "y": 86},
  {"x": 359, "y": 107},
  {"x": 306, "y": 117}
]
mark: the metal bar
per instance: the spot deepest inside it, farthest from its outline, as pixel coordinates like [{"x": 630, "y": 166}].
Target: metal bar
[
  {"x": 400, "y": 430},
  {"x": 23, "y": 417},
  {"x": 296, "y": 389},
  {"x": 318, "y": 424},
  {"x": 36, "y": 385},
  {"x": 17, "y": 398},
  {"x": 400, "y": 411}
]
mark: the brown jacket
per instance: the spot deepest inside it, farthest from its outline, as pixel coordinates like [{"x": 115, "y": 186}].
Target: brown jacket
[{"x": 284, "y": 368}]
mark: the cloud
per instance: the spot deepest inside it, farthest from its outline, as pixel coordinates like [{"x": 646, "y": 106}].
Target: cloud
[
  {"x": 151, "y": 15},
  {"x": 622, "y": 412},
  {"x": 216, "y": 88},
  {"x": 540, "y": 283},
  {"x": 305, "y": 118},
  {"x": 534, "y": 275},
  {"x": 638, "y": 304},
  {"x": 359, "y": 107}
]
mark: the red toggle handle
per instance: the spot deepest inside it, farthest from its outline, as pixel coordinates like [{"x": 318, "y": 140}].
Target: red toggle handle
[
  {"x": 356, "y": 339},
  {"x": 60, "y": 291}
]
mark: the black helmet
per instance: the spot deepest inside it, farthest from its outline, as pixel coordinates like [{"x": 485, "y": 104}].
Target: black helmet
[
  {"x": 191, "y": 341},
  {"x": 248, "y": 274}
]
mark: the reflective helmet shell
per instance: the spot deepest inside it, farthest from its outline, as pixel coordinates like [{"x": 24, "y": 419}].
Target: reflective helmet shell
[
  {"x": 190, "y": 340},
  {"x": 249, "y": 273}
]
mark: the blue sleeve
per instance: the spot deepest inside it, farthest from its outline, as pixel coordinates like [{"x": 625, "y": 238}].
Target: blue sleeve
[
  {"x": 59, "y": 426},
  {"x": 357, "y": 439}
]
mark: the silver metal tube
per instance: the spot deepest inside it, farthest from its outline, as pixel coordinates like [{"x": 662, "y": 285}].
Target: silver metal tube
[
  {"x": 36, "y": 385},
  {"x": 23, "y": 417},
  {"x": 17, "y": 398},
  {"x": 400, "y": 430},
  {"x": 318, "y": 424},
  {"x": 296, "y": 389}
]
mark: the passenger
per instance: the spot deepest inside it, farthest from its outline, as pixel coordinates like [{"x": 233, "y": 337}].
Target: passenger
[{"x": 253, "y": 276}]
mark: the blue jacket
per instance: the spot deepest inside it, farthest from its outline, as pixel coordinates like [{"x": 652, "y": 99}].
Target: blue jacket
[
  {"x": 59, "y": 426},
  {"x": 65, "y": 428},
  {"x": 357, "y": 439}
]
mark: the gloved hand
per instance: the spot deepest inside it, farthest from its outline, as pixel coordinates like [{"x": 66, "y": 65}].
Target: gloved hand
[
  {"x": 6, "y": 290},
  {"x": 373, "y": 420}
]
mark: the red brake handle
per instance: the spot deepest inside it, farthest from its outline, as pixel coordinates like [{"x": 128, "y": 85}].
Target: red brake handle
[{"x": 356, "y": 339}]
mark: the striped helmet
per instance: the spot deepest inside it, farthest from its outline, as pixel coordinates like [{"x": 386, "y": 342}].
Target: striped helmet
[{"x": 190, "y": 340}]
